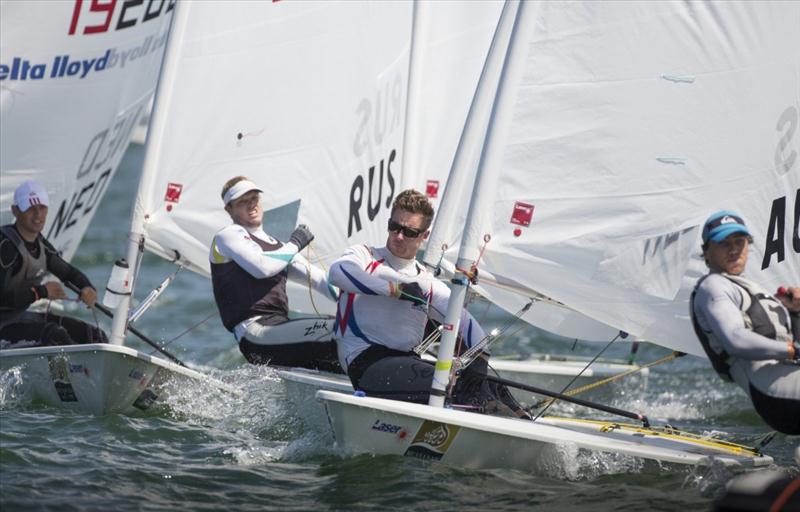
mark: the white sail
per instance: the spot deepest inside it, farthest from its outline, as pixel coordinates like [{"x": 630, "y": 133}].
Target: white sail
[
  {"x": 632, "y": 123},
  {"x": 74, "y": 80},
  {"x": 307, "y": 99},
  {"x": 449, "y": 46},
  {"x": 437, "y": 148}
]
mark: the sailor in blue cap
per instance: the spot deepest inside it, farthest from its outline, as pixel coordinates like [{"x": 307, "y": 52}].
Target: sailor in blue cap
[{"x": 750, "y": 336}]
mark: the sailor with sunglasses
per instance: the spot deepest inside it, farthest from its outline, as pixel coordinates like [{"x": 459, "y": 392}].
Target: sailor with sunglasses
[
  {"x": 386, "y": 300},
  {"x": 750, "y": 336}
]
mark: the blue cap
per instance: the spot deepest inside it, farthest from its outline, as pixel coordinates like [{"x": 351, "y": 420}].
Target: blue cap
[{"x": 722, "y": 224}]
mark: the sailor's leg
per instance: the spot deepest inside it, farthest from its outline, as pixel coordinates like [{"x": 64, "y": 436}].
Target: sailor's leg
[
  {"x": 80, "y": 331},
  {"x": 34, "y": 330},
  {"x": 774, "y": 388},
  {"x": 304, "y": 343},
  {"x": 400, "y": 376}
]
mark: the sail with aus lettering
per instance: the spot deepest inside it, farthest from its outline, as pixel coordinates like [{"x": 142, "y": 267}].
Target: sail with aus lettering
[{"x": 611, "y": 165}]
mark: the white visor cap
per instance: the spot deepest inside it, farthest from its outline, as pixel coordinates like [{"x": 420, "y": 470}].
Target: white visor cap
[
  {"x": 238, "y": 190},
  {"x": 30, "y": 193}
]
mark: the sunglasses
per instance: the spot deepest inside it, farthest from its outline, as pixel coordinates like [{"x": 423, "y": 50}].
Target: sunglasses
[{"x": 395, "y": 227}]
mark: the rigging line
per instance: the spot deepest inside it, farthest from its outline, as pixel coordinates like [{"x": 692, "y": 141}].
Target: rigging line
[
  {"x": 132, "y": 329},
  {"x": 438, "y": 269},
  {"x": 310, "y": 284},
  {"x": 580, "y": 373},
  {"x": 467, "y": 357},
  {"x": 578, "y": 401},
  {"x": 319, "y": 259},
  {"x": 507, "y": 336},
  {"x": 612, "y": 378},
  {"x": 432, "y": 338},
  {"x": 485, "y": 312},
  {"x": 198, "y": 324},
  {"x": 96, "y": 321}
]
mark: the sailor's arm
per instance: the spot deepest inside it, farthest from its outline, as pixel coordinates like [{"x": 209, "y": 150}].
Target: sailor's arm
[
  {"x": 303, "y": 272},
  {"x": 350, "y": 274},
  {"x": 726, "y": 321},
  {"x": 791, "y": 299},
  {"x": 234, "y": 243},
  {"x": 68, "y": 274}
]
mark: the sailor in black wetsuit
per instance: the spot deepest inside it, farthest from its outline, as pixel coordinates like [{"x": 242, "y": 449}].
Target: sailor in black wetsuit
[
  {"x": 249, "y": 269},
  {"x": 25, "y": 258},
  {"x": 749, "y": 335}
]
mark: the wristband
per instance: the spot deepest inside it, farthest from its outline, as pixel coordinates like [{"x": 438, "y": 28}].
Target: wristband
[{"x": 35, "y": 293}]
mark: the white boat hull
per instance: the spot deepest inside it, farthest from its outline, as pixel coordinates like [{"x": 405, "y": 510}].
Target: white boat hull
[
  {"x": 95, "y": 378},
  {"x": 378, "y": 426}
]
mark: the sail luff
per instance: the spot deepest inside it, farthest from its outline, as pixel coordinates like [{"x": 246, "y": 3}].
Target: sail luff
[
  {"x": 155, "y": 137},
  {"x": 514, "y": 58},
  {"x": 468, "y": 150},
  {"x": 158, "y": 118},
  {"x": 483, "y": 191},
  {"x": 411, "y": 153}
]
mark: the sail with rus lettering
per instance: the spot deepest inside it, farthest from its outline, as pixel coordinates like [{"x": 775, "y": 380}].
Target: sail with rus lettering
[
  {"x": 307, "y": 99},
  {"x": 616, "y": 128},
  {"x": 331, "y": 128},
  {"x": 326, "y": 135}
]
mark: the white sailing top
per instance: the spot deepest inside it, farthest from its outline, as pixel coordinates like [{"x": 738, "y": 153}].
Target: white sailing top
[
  {"x": 234, "y": 243},
  {"x": 367, "y": 312}
]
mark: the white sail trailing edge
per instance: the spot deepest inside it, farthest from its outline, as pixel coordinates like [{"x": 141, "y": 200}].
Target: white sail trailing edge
[{"x": 74, "y": 82}]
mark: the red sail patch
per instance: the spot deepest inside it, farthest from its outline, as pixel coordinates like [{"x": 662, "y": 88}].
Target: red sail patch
[{"x": 522, "y": 214}]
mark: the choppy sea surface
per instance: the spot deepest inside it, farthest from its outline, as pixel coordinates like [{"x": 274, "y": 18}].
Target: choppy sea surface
[{"x": 211, "y": 451}]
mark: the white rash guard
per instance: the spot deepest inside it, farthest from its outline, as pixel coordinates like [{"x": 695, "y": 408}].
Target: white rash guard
[
  {"x": 368, "y": 314},
  {"x": 233, "y": 243}
]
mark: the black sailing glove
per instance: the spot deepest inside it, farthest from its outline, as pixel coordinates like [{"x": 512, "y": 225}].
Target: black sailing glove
[
  {"x": 301, "y": 237},
  {"x": 412, "y": 293}
]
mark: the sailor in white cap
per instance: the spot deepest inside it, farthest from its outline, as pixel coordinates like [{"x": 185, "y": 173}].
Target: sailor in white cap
[
  {"x": 249, "y": 269},
  {"x": 750, "y": 335},
  {"x": 25, "y": 258}
]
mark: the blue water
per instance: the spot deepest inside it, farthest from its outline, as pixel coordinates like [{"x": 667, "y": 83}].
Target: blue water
[{"x": 212, "y": 451}]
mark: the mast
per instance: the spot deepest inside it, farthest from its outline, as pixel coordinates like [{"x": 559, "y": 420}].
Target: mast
[
  {"x": 485, "y": 180},
  {"x": 469, "y": 145},
  {"x": 155, "y": 137}
]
